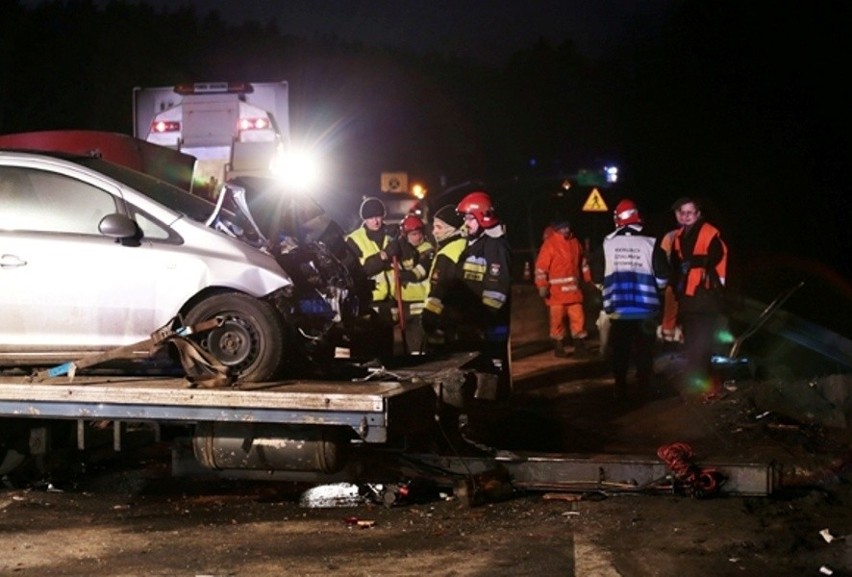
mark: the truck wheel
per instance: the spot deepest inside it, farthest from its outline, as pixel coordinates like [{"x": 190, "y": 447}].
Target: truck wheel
[{"x": 251, "y": 341}]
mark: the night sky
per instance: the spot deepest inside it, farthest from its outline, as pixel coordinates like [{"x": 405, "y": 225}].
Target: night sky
[{"x": 741, "y": 104}]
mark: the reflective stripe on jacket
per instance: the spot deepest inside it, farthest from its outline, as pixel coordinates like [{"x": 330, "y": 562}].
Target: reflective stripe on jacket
[
  {"x": 485, "y": 270},
  {"x": 442, "y": 273},
  {"x": 415, "y": 292},
  {"x": 631, "y": 284},
  {"x": 560, "y": 265},
  {"x": 384, "y": 280}
]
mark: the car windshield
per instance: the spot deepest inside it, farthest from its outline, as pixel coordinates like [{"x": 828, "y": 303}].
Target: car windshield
[
  {"x": 179, "y": 200},
  {"x": 278, "y": 211}
]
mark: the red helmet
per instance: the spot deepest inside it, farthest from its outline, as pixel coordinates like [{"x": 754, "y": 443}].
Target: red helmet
[
  {"x": 479, "y": 205},
  {"x": 627, "y": 213},
  {"x": 411, "y": 223}
]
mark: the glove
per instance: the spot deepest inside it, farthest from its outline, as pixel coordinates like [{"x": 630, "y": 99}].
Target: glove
[
  {"x": 430, "y": 322},
  {"x": 543, "y": 291},
  {"x": 392, "y": 249},
  {"x": 407, "y": 276}
]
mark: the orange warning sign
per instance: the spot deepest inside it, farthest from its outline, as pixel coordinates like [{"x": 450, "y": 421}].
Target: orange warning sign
[{"x": 595, "y": 202}]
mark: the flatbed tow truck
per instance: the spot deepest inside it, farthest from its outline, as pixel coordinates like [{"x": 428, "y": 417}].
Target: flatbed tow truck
[
  {"x": 295, "y": 425},
  {"x": 366, "y": 428},
  {"x": 376, "y": 427},
  {"x": 322, "y": 431}
]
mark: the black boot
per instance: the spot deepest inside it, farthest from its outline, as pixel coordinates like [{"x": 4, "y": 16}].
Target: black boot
[
  {"x": 581, "y": 349},
  {"x": 558, "y": 348}
]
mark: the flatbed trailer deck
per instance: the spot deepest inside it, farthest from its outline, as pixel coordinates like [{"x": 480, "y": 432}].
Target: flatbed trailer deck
[
  {"x": 256, "y": 425},
  {"x": 370, "y": 408}
]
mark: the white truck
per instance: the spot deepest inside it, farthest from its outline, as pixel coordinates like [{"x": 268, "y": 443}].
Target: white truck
[{"x": 231, "y": 128}]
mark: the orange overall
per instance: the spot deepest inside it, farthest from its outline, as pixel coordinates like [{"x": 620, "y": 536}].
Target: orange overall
[{"x": 561, "y": 267}]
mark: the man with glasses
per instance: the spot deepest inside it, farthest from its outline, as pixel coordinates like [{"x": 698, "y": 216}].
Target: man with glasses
[{"x": 700, "y": 260}]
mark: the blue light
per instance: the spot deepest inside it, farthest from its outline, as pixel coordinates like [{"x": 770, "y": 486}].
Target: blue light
[{"x": 611, "y": 173}]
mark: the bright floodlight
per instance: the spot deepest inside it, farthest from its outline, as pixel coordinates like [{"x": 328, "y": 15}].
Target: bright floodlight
[
  {"x": 611, "y": 173},
  {"x": 298, "y": 170}
]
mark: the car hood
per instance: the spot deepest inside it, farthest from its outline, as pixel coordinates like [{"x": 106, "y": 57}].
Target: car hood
[{"x": 233, "y": 262}]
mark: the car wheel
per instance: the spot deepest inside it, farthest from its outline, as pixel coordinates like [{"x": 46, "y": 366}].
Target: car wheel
[{"x": 250, "y": 341}]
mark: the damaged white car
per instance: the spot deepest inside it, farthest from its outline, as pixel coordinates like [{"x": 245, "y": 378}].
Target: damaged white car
[{"x": 95, "y": 256}]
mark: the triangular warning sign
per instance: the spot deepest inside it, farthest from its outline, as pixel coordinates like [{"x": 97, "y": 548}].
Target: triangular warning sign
[{"x": 595, "y": 202}]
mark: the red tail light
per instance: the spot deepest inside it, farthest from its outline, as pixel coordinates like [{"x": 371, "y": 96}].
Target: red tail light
[
  {"x": 253, "y": 124},
  {"x": 161, "y": 126}
]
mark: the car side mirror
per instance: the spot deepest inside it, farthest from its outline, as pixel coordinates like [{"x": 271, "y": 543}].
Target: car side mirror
[{"x": 118, "y": 226}]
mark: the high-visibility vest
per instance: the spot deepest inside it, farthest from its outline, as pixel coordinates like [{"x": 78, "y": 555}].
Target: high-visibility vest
[
  {"x": 452, "y": 251},
  {"x": 697, "y": 273},
  {"x": 631, "y": 285},
  {"x": 384, "y": 280},
  {"x": 415, "y": 292}
]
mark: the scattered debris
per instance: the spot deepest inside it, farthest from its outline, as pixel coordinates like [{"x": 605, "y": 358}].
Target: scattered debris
[
  {"x": 700, "y": 482},
  {"x": 487, "y": 487},
  {"x": 333, "y": 495},
  {"x": 360, "y": 523},
  {"x": 826, "y": 534}
]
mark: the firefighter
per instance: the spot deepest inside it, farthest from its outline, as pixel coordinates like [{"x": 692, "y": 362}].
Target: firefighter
[
  {"x": 700, "y": 261},
  {"x": 445, "y": 299},
  {"x": 560, "y": 270},
  {"x": 376, "y": 250},
  {"x": 415, "y": 260},
  {"x": 485, "y": 271},
  {"x": 635, "y": 271}
]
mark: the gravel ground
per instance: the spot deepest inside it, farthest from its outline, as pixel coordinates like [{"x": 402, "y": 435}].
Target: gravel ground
[{"x": 129, "y": 516}]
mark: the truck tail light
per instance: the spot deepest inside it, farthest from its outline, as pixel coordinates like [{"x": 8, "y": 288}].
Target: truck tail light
[
  {"x": 163, "y": 126},
  {"x": 254, "y": 124}
]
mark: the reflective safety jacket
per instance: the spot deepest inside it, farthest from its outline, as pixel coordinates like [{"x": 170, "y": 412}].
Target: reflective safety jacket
[
  {"x": 442, "y": 274},
  {"x": 635, "y": 271},
  {"x": 560, "y": 266},
  {"x": 701, "y": 256},
  {"x": 485, "y": 269},
  {"x": 415, "y": 274},
  {"x": 375, "y": 268}
]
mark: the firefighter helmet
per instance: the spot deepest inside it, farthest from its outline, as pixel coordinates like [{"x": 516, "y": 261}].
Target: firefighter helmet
[
  {"x": 478, "y": 204},
  {"x": 626, "y": 213},
  {"x": 411, "y": 223}
]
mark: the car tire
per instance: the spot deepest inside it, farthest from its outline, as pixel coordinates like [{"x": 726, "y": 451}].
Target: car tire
[{"x": 252, "y": 339}]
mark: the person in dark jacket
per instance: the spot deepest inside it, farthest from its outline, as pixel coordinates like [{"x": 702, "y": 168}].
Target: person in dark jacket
[
  {"x": 700, "y": 261},
  {"x": 486, "y": 272},
  {"x": 447, "y": 298}
]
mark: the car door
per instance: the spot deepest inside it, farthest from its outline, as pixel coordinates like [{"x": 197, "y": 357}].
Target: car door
[{"x": 63, "y": 285}]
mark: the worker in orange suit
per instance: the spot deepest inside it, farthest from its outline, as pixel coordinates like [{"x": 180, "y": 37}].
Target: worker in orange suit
[
  {"x": 560, "y": 270},
  {"x": 670, "y": 330}
]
